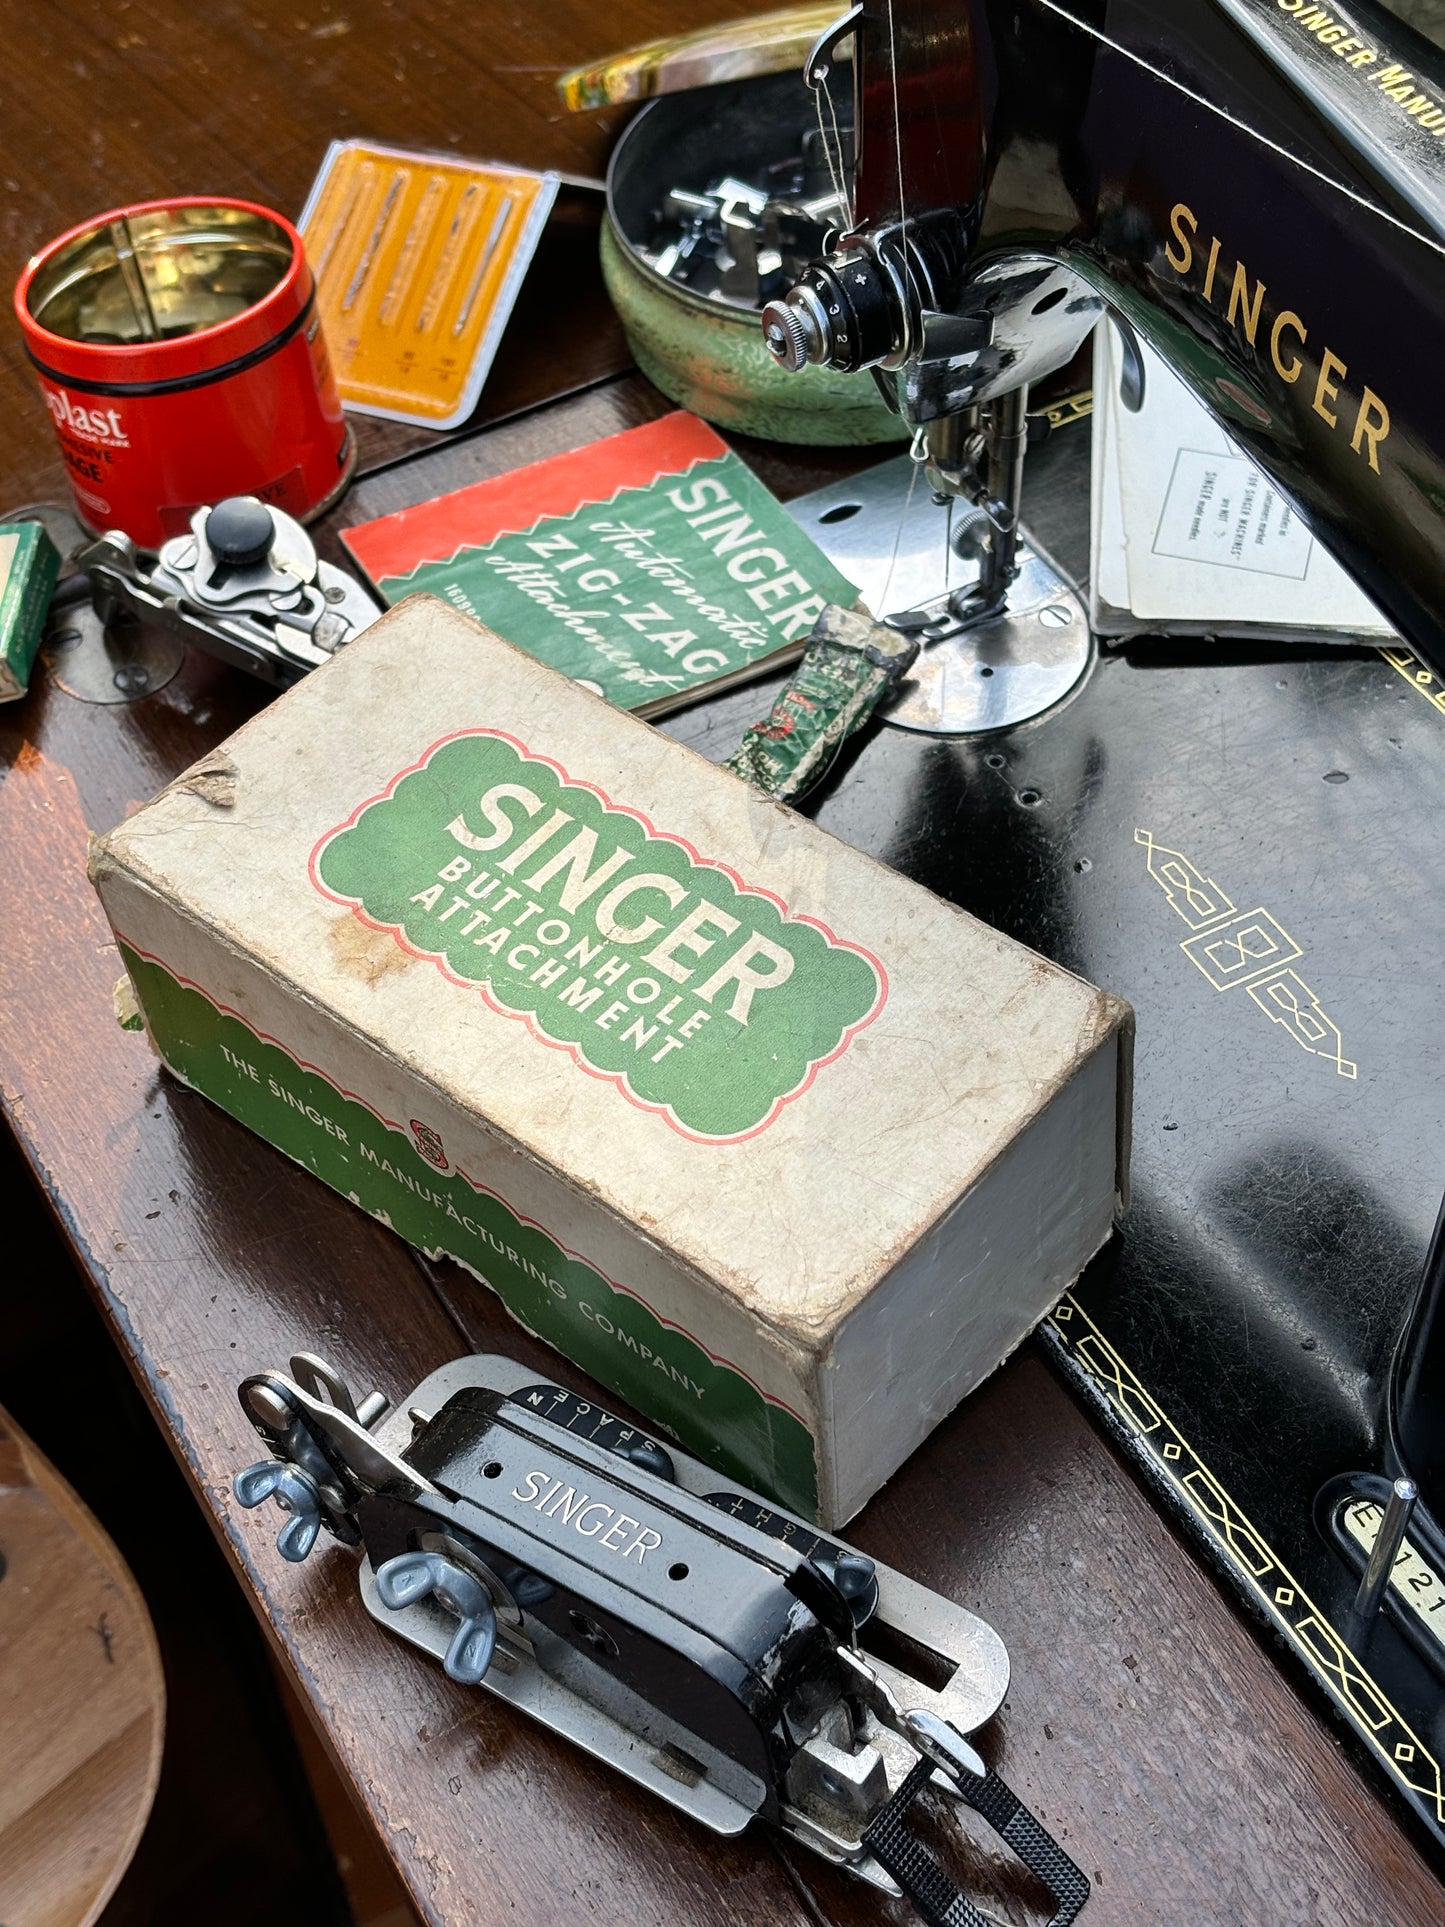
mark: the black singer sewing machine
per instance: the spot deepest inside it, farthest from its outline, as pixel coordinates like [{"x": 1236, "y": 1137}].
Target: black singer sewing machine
[{"x": 1246, "y": 843}]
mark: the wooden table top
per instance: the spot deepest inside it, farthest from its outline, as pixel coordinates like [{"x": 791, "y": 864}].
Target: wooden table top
[{"x": 1146, "y": 1722}]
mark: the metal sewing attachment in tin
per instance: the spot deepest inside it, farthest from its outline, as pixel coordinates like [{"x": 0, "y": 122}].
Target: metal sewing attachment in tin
[{"x": 715, "y": 1649}]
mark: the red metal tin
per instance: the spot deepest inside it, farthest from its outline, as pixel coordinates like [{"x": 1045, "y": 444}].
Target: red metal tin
[{"x": 180, "y": 353}]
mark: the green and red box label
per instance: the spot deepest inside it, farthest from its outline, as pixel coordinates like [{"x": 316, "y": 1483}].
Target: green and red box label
[{"x": 699, "y": 996}]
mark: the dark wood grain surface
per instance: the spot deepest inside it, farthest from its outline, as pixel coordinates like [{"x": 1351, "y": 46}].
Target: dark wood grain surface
[{"x": 1145, "y": 1722}]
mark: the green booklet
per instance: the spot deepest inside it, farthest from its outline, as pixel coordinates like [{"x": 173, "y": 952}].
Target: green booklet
[{"x": 651, "y": 566}]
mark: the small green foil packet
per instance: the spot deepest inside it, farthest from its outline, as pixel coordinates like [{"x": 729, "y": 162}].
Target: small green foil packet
[
  {"x": 29, "y": 565},
  {"x": 850, "y": 665}
]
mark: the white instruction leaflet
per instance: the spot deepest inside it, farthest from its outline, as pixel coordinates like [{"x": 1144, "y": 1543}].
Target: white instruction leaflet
[
  {"x": 1191, "y": 536},
  {"x": 1223, "y": 509}
]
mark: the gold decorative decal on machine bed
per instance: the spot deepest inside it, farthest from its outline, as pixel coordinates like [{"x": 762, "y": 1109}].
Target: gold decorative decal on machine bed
[{"x": 1276, "y": 1592}]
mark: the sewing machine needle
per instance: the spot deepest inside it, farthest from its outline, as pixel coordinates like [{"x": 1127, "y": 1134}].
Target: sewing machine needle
[
  {"x": 457, "y": 234},
  {"x": 504, "y": 214},
  {"x": 417, "y": 236},
  {"x": 374, "y": 241}
]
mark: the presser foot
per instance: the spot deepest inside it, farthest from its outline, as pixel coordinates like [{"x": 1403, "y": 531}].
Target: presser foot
[
  {"x": 986, "y": 672},
  {"x": 914, "y": 568}
]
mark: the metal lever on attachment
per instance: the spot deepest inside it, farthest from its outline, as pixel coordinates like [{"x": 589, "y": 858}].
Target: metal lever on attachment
[
  {"x": 327, "y": 1459},
  {"x": 949, "y": 1760},
  {"x": 1388, "y": 1541},
  {"x": 321, "y": 1380}
]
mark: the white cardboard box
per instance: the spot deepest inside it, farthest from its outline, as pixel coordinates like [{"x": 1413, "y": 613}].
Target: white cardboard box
[{"x": 783, "y": 1149}]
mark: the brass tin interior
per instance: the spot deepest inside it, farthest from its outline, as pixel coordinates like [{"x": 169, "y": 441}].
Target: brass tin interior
[{"x": 158, "y": 275}]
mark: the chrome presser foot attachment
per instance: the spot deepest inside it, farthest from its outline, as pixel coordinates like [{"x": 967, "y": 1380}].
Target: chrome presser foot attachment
[
  {"x": 1014, "y": 641},
  {"x": 942, "y": 557},
  {"x": 979, "y": 672}
]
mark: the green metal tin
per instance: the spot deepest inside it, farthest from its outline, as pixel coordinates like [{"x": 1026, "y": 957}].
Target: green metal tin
[{"x": 704, "y": 353}]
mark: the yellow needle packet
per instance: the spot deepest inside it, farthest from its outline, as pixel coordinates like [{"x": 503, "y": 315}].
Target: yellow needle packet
[{"x": 418, "y": 260}]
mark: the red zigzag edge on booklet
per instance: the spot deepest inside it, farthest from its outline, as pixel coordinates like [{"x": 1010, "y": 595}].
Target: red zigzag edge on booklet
[{"x": 433, "y": 532}]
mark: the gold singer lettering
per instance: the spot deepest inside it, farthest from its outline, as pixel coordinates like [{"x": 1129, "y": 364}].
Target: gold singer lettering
[{"x": 1247, "y": 309}]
